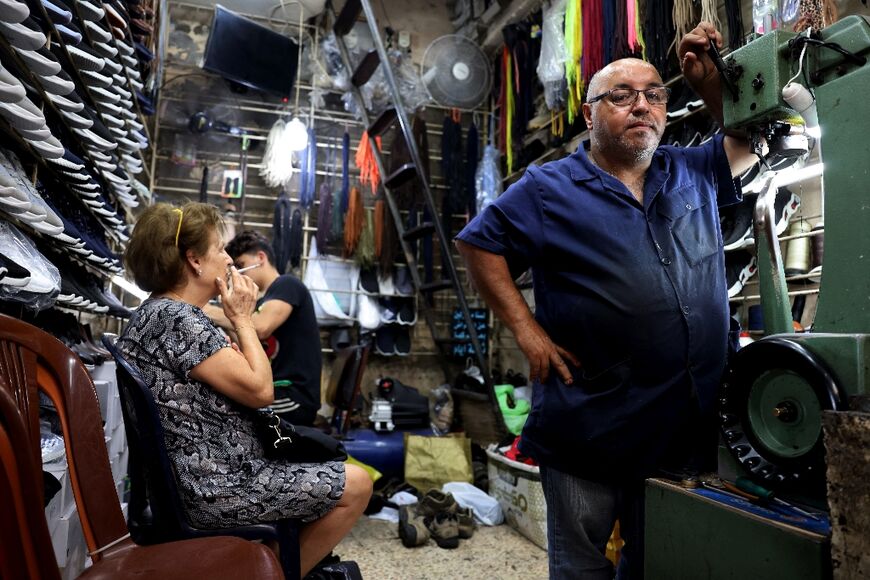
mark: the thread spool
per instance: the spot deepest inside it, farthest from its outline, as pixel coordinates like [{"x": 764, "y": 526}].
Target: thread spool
[
  {"x": 755, "y": 316},
  {"x": 797, "y": 253},
  {"x": 818, "y": 246}
]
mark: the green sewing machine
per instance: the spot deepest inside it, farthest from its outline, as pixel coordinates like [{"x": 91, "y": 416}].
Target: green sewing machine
[{"x": 773, "y": 398}]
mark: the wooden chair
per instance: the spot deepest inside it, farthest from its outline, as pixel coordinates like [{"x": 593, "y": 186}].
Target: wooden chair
[{"x": 32, "y": 361}]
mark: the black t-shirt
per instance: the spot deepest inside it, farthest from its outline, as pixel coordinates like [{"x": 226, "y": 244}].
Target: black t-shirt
[{"x": 294, "y": 347}]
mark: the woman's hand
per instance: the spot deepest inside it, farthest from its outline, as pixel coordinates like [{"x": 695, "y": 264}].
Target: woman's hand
[{"x": 238, "y": 301}]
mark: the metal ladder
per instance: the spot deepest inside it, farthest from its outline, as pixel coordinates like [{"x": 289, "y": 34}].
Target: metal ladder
[{"x": 344, "y": 21}]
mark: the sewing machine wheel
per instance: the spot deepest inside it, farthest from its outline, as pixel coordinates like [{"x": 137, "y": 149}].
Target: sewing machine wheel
[{"x": 771, "y": 410}]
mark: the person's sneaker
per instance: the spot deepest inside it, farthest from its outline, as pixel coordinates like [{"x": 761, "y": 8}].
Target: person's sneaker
[
  {"x": 444, "y": 529},
  {"x": 412, "y": 527},
  {"x": 465, "y": 519}
]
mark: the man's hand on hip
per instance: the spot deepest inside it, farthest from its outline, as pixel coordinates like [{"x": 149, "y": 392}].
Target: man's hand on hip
[{"x": 542, "y": 353}]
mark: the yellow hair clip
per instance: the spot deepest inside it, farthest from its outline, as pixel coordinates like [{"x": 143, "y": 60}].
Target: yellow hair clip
[{"x": 180, "y": 217}]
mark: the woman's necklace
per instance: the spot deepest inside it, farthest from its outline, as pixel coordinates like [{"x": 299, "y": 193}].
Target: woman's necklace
[{"x": 175, "y": 296}]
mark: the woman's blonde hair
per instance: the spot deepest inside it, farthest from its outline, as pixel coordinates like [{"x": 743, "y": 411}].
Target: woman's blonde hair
[{"x": 156, "y": 253}]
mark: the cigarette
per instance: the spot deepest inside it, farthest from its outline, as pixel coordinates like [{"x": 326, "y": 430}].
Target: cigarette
[{"x": 251, "y": 267}]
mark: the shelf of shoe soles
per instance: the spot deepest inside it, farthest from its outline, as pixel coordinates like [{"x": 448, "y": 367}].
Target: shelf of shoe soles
[
  {"x": 41, "y": 163},
  {"x": 782, "y": 239},
  {"x": 47, "y": 103},
  {"x": 55, "y": 36},
  {"x": 86, "y": 94},
  {"x": 86, "y": 32},
  {"x": 757, "y": 297},
  {"x": 136, "y": 105}
]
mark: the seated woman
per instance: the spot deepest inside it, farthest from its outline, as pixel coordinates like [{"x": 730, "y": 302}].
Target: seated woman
[{"x": 206, "y": 388}]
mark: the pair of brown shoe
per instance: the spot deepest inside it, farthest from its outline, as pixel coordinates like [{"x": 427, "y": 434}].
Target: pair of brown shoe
[{"x": 436, "y": 516}]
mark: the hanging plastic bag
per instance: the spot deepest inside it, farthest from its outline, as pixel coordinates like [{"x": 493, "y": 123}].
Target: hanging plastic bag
[
  {"x": 43, "y": 287},
  {"x": 551, "y": 66},
  {"x": 328, "y": 308},
  {"x": 487, "y": 180}
]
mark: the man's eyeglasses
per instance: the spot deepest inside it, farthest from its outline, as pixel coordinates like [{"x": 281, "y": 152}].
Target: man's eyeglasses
[{"x": 656, "y": 96}]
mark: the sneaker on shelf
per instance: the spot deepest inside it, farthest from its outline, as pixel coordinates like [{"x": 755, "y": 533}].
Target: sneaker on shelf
[
  {"x": 786, "y": 205},
  {"x": 412, "y": 527},
  {"x": 402, "y": 281},
  {"x": 740, "y": 266},
  {"x": 368, "y": 281},
  {"x": 51, "y": 446},
  {"x": 736, "y": 224},
  {"x": 385, "y": 341},
  {"x": 402, "y": 345},
  {"x": 407, "y": 314}
]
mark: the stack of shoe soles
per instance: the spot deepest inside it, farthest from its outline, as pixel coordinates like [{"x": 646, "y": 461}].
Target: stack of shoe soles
[
  {"x": 94, "y": 59},
  {"x": 53, "y": 214},
  {"x": 436, "y": 516},
  {"x": 738, "y": 236}
]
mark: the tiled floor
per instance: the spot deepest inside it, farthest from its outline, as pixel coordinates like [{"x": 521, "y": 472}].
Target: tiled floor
[{"x": 493, "y": 552}]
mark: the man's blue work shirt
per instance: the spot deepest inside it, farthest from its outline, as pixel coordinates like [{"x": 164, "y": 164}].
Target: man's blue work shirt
[{"x": 636, "y": 293}]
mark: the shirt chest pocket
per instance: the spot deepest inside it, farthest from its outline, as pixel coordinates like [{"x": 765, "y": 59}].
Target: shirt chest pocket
[{"x": 693, "y": 222}]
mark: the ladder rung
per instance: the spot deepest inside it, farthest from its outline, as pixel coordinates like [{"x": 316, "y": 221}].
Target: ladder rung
[
  {"x": 347, "y": 17},
  {"x": 366, "y": 68},
  {"x": 435, "y": 286},
  {"x": 418, "y": 231},
  {"x": 401, "y": 175},
  {"x": 383, "y": 122}
]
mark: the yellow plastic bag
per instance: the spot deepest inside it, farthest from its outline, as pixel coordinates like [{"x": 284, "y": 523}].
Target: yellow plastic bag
[
  {"x": 373, "y": 473},
  {"x": 430, "y": 462}
]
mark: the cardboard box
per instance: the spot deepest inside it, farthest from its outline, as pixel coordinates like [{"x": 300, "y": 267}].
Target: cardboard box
[{"x": 518, "y": 489}]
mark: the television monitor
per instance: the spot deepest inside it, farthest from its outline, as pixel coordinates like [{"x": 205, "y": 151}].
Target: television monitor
[{"x": 248, "y": 53}]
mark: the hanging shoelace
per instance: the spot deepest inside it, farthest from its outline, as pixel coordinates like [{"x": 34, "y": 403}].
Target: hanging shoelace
[
  {"x": 296, "y": 239},
  {"x": 353, "y": 221},
  {"x": 574, "y": 51},
  {"x": 593, "y": 54},
  {"x": 365, "y": 248},
  {"x": 608, "y": 21},
  {"x": 308, "y": 172},
  {"x": 325, "y": 198},
  {"x": 472, "y": 154},
  {"x": 659, "y": 22},
  {"x": 281, "y": 227},
  {"x": 639, "y": 45},
  {"x": 345, "y": 176},
  {"x": 337, "y": 232},
  {"x": 735, "y": 24},
  {"x": 380, "y": 216},
  {"x": 507, "y": 113},
  {"x": 324, "y": 216},
  {"x": 365, "y": 162},
  {"x": 620, "y": 34},
  {"x": 709, "y": 13},
  {"x": 684, "y": 19}
]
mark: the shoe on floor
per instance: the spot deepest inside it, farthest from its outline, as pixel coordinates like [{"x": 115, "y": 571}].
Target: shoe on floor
[
  {"x": 444, "y": 529},
  {"x": 465, "y": 519},
  {"x": 412, "y": 527}
]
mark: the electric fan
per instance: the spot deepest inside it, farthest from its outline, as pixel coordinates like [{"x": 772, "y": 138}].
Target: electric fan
[{"x": 456, "y": 72}]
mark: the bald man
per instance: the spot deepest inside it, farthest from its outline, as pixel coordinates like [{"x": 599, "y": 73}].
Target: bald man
[{"x": 627, "y": 343}]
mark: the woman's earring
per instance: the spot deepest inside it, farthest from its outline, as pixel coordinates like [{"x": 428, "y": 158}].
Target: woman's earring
[{"x": 199, "y": 272}]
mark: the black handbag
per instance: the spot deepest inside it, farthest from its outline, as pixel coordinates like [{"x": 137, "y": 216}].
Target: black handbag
[{"x": 296, "y": 443}]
